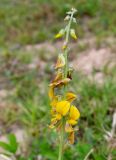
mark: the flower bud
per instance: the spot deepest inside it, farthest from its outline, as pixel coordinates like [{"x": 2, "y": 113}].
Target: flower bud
[
  {"x": 72, "y": 33},
  {"x": 60, "y": 33},
  {"x": 67, "y": 18}
]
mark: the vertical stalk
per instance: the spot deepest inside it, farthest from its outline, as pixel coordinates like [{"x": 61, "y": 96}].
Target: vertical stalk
[
  {"x": 65, "y": 88},
  {"x": 61, "y": 142},
  {"x": 66, "y": 50}
]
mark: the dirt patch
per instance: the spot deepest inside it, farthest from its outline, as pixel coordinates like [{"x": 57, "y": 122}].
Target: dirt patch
[{"x": 94, "y": 60}]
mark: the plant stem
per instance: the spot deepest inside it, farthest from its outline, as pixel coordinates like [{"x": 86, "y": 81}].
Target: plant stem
[
  {"x": 68, "y": 28},
  {"x": 61, "y": 143},
  {"x": 66, "y": 50},
  {"x": 88, "y": 154},
  {"x": 65, "y": 88}
]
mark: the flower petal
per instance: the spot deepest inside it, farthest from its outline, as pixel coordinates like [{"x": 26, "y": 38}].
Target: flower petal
[
  {"x": 74, "y": 113},
  {"x": 54, "y": 101},
  {"x": 58, "y": 116},
  {"x": 70, "y": 96},
  {"x": 72, "y": 122},
  {"x": 63, "y": 107}
]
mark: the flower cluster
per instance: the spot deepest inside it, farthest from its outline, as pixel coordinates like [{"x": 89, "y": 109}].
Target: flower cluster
[{"x": 64, "y": 114}]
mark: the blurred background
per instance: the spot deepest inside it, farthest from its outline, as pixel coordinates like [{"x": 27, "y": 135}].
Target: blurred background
[{"x": 28, "y": 51}]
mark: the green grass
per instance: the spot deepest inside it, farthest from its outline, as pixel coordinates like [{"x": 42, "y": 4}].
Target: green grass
[
  {"x": 30, "y": 22},
  {"x": 96, "y": 104}
]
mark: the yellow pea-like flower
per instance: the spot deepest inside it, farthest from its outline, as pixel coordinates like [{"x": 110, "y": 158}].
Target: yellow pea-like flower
[
  {"x": 72, "y": 122},
  {"x": 70, "y": 96},
  {"x": 64, "y": 115},
  {"x": 73, "y": 115},
  {"x": 63, "y": 107},
  {"x": 54, "y": 101},
  {"x": 74, "y": 112}
]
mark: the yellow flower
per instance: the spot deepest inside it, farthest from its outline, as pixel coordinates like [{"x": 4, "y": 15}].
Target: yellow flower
[
  {"x": 58, "y": 116},
  {"x": 70, "y": 96},
  {"x": 54, "y": 101},
  {"x": 51, "y": 92},
  {"x": 62, "y": 107},
  {"x": 73, "y": 115}
]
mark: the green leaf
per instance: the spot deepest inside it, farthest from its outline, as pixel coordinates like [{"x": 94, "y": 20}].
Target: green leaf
[
  {"x": 5, "y": 146},
  {"x": 13, "y": 142}
]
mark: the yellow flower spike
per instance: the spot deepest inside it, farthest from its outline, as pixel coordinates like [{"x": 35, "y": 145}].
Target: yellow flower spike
[
  {"x": 60, "y": 62},
  {"x": 64, "y": 115},
  {"x": 72, "y": 33},
  {"x": 60, "y": 34},
  {"x": 70, "y": 96},
  {"x": 73, "y": 115},
  {"x": 71, "y": 138},
  {"x": 62, "y": 107}
]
